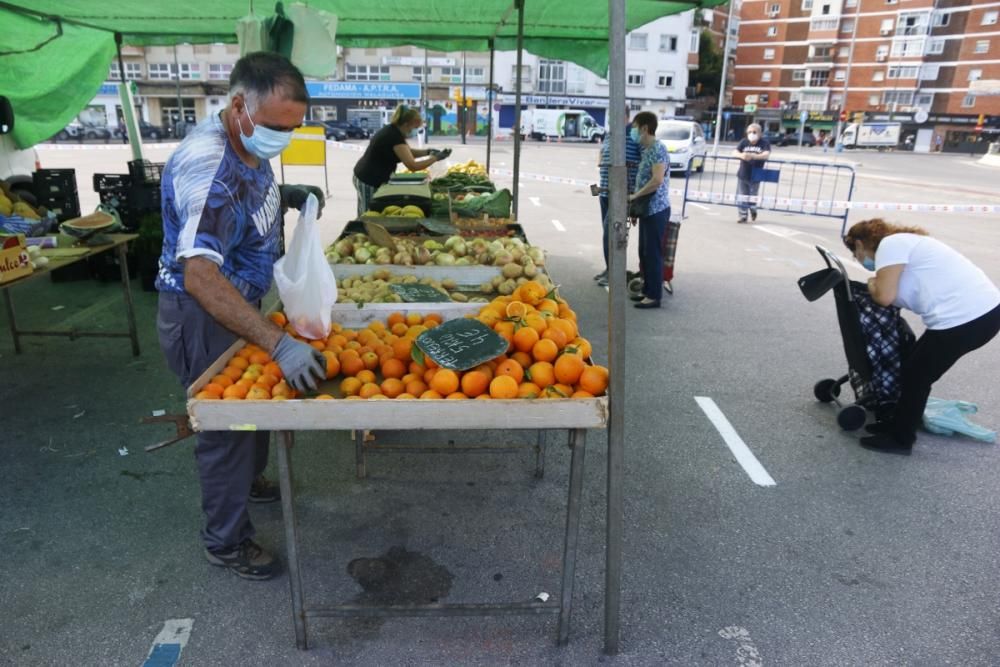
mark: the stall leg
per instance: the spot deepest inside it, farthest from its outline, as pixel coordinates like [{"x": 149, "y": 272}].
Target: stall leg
[
  {"x": 359, "y": 453},
  {"x": 11, "y": 321},
  {"x": 133, "y": 333},
  {"x": 291, "y": 537},
  {"x": 540, "y": 455},
  {"x": 577, "y": 444}
]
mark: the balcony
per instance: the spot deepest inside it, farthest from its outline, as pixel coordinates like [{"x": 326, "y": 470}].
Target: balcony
[
  {"x": 821, "y": 57},
  {"x": 827, "y": 24}
]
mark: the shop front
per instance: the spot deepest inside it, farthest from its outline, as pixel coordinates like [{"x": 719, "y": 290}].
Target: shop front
[{"x": 925, "y": 132}]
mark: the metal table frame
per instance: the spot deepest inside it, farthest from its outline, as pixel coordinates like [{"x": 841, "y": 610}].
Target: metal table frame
[
  {"x": 301, "y": 612},
  {"x": 120, "y": 245}
]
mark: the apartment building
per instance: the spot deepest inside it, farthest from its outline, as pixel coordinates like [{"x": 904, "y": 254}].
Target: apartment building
[{"x": 917, "y": 62}]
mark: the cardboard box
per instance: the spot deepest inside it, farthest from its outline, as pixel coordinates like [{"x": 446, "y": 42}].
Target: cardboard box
[{"x": 14, "y": 260}]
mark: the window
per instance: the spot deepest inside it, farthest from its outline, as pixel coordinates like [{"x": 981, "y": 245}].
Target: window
[
  {"x": 113, "y": 73},
  {"x": 844, "y": 52},
  {"x": 525, "y": 75},
  {"x": 475, "y": 74},
  {"x": 159, "y": 71},
  {"x": 902, "y": 98},
  {"x": 765, "y": 76},
  {"x": 665, "y": 80},
  {"x": 576, "y": 79},
  {"x": 909, "y": 72},
  {"x": 668, "y": 43},
  {"x": 969, "y": 101},
  {"x": 924, "y": 101},
  {"x": 449, "y": 75},
  {"x": 772, "y": 31},
  {"x": 929, "y": 72},
  {"x": 551, "y": 76},
  {"x": 886, "y": 26},
  {"x": 850, "y": 3},
  {"x": 878, "y": 75},
  {"x": 367, "y": 72},
  {"x": 975, "y": 74},
  {"x": 807, "y": 5},
  {"x": 418, "y": 73},
  {"x": 824, "y": 24},
  {"x": 913, "y": 24},
  {"x": 819, "y": 79},
  {"x": 836, "y": 101},
  {"x": 695, "y": 41},
  {"x": 768, "y": 54},
  {"x": 989, "y": 18},
  {"x": 636, "y": 77},
  {"x": 825, "y": 10},
  {"x": 798, "y": 75},
  {"x": 982, "y": 46},
  {"x": 812, "y": 101},
  {"x": 873, "y": 100},
  {"x": 189, "y": 71},
  {"x": 882, "y": 52},
  {"x": 847, "y": 26},
  {"x": 219, "y": 72},
  {"x": 935, "y": 47},
  {"x": 637, "y": 41},
  {"x": 821, "y": 52},
  {"x": 942, "y": 19},
  {"x": 838, "y": 75},
  {"x": 774, "y": 9},
  {"x": 908, "y": 47},
  {"x": 133, "y": 71}
]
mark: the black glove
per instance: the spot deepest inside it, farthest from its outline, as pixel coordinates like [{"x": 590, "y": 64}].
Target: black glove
[
  {"x": 294, "y": 196},
  {"x": 442, "y": 155},
  {"x": 303, "y": 365}
]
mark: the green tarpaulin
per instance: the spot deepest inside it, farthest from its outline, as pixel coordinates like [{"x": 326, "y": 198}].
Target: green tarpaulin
[{"x": 50, "y": 76}]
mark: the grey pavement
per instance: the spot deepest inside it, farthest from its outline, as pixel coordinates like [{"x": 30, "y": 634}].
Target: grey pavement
[{"x": 852, "y": 558}]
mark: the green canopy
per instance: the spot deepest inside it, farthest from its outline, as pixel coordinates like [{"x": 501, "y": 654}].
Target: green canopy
[{"x": 55, "y": 58}]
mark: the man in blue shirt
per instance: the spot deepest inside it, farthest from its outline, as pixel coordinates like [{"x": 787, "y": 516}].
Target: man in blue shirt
[
  {"x": 222, "y": 215},
  {"x": 633, "y": 153}
]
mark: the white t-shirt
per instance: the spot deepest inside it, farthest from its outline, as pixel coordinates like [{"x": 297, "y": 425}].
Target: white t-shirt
[{"x": 937, "y": 283}]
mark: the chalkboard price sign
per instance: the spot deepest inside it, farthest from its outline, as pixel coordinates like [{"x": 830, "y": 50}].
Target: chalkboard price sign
[
  {"x": 417, "y": 293},
  {"x": 461, "y": 344}
]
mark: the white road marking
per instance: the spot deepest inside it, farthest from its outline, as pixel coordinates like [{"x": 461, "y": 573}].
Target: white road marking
[
  {"x": 702, "y": 207},
  {"x": 167, "y": 647},
  {"x": 535, "y": 200},
  {"x": 747, "y": 654},
  {"x": 788, "y": 234},
  {"x": 558, "y": 225},
  {"x": 735, "y": 443}
]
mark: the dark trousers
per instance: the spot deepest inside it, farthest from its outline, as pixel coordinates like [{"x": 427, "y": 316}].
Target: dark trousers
[
  {"x": 932, "y": 355},
  {"x": 651, "y": 231},
  {"x": 747, "y": 188},
  {"x": 228, "y": 461},
  {"x": 604, "y": 223}
]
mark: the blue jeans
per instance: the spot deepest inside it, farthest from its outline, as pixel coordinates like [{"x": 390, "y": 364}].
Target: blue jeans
[
  {"x": 747, "y": 188},
  {"x": 651, "y": 231}
]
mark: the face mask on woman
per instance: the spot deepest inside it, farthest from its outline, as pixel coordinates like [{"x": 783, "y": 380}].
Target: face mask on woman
[
  {"x": 634, "y": 134},
  {"x": 264, "y": 143},
  {"x": 868, "y": 263}
]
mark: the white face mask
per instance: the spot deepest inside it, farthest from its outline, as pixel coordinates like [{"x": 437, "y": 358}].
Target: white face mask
[{"x": 753, "y": 136}]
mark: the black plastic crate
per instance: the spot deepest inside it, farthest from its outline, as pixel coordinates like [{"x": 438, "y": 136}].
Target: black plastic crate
[
  {"x": 65, "y": 208},
  {"x": 143, "y": 198},
  {"x": 58, "y": 183},
  {"x": 144, "y": 171}
]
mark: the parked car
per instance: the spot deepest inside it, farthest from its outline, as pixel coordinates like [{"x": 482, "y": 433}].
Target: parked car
[
  {"x": 146, "y": 131},
  {"x": 332, "y": 133},
  {"x": 685, "y": 142},
  {"x": 792, "y": 139},
  {"x": 78, "y": 131},
  {"x": 353, "y": 131},
  {"x": 774, "y": 137}
]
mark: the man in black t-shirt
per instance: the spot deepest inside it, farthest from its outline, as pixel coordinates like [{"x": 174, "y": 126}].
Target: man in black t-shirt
[
  {"x": 388, "y": 148},
  {"x": 753, "y": 151}
]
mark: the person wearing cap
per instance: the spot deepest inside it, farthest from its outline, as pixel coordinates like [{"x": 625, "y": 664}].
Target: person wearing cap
[{"x": 387, "y": 149}]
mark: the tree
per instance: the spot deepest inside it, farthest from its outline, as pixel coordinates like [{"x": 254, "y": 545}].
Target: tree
[{"x": 709, "y": 72}]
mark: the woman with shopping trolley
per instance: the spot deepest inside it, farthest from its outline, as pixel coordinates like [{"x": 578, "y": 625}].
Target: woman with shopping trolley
[
  {"x": 958, "y": 303},
  {"x": 650, "y": 204}
]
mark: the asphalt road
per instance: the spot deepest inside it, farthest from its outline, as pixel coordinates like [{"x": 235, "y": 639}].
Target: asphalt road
[{"x": 851, "y": 558}]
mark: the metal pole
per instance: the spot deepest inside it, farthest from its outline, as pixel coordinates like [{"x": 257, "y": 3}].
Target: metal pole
[
  {"x": 465, "y": 110},
  {"x": 722, "y": 83},
  {"x": 847, "y": 74},
  {"x": 286, "y": 441},
  {"x": 489, "y": 111},
  {"x": 128, "y": 106},
  {"x": 424, "y": 79},
  {"x": 180, "y": 103},
  {"x": 121, "y": 75},
  {"x": 617, "y": 246},
  {"x": 577, "y": 439},
  {"x": 517, "y": 103}
]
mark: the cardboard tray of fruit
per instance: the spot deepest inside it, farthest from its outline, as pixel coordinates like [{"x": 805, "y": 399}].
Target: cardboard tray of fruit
[{"x": 243, "y": 410}]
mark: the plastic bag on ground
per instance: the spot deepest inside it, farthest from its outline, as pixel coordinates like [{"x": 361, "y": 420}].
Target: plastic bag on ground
[
  {"x": 948, "y": 418},
  {"x": 305, "y": 281}
]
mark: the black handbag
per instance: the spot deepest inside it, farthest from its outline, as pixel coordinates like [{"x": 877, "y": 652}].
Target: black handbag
[{"x": 639, "y": 207}]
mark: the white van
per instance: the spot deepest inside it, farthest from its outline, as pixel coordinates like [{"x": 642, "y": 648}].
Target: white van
[
  {"x": 564, "y": 124},
  {"x": 684, "y": 141}
]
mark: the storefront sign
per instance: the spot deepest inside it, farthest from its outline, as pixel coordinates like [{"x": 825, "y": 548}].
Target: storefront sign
[
  {"x": 557, "y": 100},
  {"x": 809, "y": 117},
  {"x": 412, "y": 61},
  {"x": 360, "y": 90}
]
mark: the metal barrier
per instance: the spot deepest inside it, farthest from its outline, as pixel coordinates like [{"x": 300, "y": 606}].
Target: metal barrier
[{"x": 789, "y": 186}]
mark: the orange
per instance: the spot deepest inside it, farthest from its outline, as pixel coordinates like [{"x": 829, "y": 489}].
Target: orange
[
  {"x": 348, "y": 353},
  {"x": 353, "y": 345},
  {"x": 377, "y": 326},
  {"x": 400, "y": 328},
  {"x": 483, "y": 397},
  {"x": 430, "y": 393},
  {"x": 272, "y": 368},
  {"x": 511, "y": 368},
  {"x": 433, "y": 317},
  {"x": 525, "y": 339},
  {"x": 370, "y": 360},
  {"x": 417, "y": 369},
  {"x": 367, "y": 337},
  {"x": 282, "y": 390},
  {"x": 545, "y": 350},
  {"x": 278, "y": 318},
  {"x": 349, "y": 334},
  {"x": 486, "y": 370},
  {"x": 568, "y": 327},
  {"x": 414, "y": 318},
  {"x": 568, "y": 368},
  {"x": 489, "y": 317},
  {"x": 243, "y": 384},
  {"x": 239, "y": 362},
  {"x": 207, "y": 396},
  {"x": 235, "y": 391},
  {"x": 557, "y": 391},
  {"x": 564, "y": 389},
  {"x": 429, "y": 374},
  {"x": 548, "y": 306},
  {"x": 505, "y": 328},
  {"x": 456, "y": 396},
  {"x": 566, "y": 312},
  {"x": 405, "y": 396},
  {"x": 379, "y": 397},
  {"x": 504, "y": 386},
  {"x": 244, "y": 353},
  {"x": 251, "y": 374},
  {"x": 369, "y": 389},
  {"x": 350, "y": 386},
  {"x": 594, "y": 379},
  {"x": 352, "y": 365},
  {"x": 415, "y": 331},
  {"x": 324, "y": 397},
  {"x": 523, "y": 358},
  {"x": 580, "y": 346},
  {"x": 531, "y": 292},
  {"x": 395, "y": 318},
  {"x": 410, "y": 377},
  {"x": 542, "y": 374},
  {"x": 429, "y": 363},
  {"x": 516, "y": 310},
  {"x": 528, "y": 390},
  {"x": 475, "y": 383},
  {"x": 267, "y": 380},
  {"x": 403, "y": 349},
  {"x": 264, "y": 358},
  {"x": 332, "y": 365},
  {"x": 366, "y": 376},
  {"x": 558, "y": 336},
  {"x": 318, "y": 344},
  {"x": 537, "y": 322},
  {"x": 382, "y": 349},
  {"x": 430, "y": 324},
  {"x": 393, "y": 387},
  {"x": 444, "y": 382},
  {"x": 258, "y": 393},
  {"x": 582, "y": 394},
  {"x": 393, "y": 368},
  {"x": 222, "y": 380},
  {"x": 213, "y": 388},
  {"x": 507, "y": 337},
  {"x": 416, "y": 387}
]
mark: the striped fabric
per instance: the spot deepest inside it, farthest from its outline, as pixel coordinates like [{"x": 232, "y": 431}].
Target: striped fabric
[
  {"x": 670, "y": 249},
  {"x": 633, "y": 154},
  {"x": 365, "y": 194}
]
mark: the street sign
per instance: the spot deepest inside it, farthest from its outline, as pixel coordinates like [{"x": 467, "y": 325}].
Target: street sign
[
  {"x": 750, "y": 99},
  {"x": 749, "y": 108}
]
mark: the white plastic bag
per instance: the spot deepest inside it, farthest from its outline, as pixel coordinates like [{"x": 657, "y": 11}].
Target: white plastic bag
[{"x": 305, "y": 281}]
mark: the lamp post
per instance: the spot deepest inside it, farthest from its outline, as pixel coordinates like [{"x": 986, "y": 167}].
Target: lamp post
[
  {"x": 722, "y": 83},
  {"x": 847, "y": 74}
]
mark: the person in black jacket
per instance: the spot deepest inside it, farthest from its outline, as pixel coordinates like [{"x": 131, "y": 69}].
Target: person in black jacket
[{"x": 387, "y": 149}]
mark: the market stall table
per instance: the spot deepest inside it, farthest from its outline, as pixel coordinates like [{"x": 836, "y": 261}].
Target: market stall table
[{"x": 65, "y": 256}]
